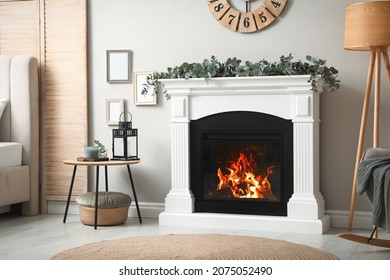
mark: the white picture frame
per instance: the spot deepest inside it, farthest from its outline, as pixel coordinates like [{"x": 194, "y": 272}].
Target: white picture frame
[
  {"x": 139, "y": 81},
  {"x": 118, "y": 66},
  {"x": 114, "y": 108}
]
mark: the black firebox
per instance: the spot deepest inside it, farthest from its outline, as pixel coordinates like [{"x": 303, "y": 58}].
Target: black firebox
[{"x": 241, "y": 163}]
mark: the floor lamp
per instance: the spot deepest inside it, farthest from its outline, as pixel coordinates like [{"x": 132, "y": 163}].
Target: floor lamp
[{"x": 367, "y": 28}]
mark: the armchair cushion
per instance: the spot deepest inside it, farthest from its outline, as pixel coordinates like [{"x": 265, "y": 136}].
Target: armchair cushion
[
  {"x": 376, "y": 153},
  {"x": 374, "y": 180}
]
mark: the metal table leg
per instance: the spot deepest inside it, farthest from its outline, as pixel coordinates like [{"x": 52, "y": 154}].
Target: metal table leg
[
  {"x": 106, "y": 177},
  {"x": 70, "y": 193},
  {"x": 97, "y": 195},
  {"x": 134, "y": 193}
]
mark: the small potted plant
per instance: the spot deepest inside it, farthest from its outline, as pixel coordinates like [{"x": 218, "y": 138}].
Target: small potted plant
[
  {"x": 97, "y": 151},
  {"x": 102, "y": 149},
  {"x": 91, "y": 151}
]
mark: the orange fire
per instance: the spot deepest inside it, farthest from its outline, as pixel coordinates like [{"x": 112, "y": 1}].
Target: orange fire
[{"x": 242, "y": 181}]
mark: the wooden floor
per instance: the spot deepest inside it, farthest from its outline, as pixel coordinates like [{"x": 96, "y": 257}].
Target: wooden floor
[{"x": 41, "y": 237}]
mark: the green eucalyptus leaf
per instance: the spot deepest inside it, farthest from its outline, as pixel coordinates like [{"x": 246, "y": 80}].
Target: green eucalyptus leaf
[{"x": 233, "y": 67}]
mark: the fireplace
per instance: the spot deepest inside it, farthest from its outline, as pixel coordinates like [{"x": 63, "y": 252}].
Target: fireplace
[
  {"x": 241, "y": 163},
  {"x": 218, "y": 111}
]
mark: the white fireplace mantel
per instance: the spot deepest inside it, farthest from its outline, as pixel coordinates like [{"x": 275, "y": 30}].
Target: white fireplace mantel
[{"x": 288, "y": 97}]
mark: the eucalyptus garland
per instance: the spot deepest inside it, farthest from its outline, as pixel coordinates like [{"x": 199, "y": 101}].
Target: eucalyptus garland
[{"x": 234, "y": 67}]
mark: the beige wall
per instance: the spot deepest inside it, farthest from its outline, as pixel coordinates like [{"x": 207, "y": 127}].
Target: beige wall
[{"x": 167, "y": 33}]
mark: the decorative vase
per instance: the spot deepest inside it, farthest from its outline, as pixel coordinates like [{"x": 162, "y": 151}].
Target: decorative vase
[
  {"x": 103, "y": 154},
  {"x": 91, "y": 151}
]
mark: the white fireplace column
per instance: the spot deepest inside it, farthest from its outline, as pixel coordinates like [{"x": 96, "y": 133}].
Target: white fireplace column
[
  {"x": 288, "y": 97},
  {"x": 180, "y": 199},
  {"x": 307, "y": 201}
]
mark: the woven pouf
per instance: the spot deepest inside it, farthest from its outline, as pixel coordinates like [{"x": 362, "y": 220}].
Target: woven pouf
[{"x": 113, "y": 208}]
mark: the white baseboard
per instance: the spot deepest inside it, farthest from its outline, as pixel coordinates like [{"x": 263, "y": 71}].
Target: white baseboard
[
  {"x": 338, "y": 218},
  {"x": 147, "y": 209}
]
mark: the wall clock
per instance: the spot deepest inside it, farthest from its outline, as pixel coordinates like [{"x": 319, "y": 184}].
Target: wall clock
[{"x": 248, "y": 21}]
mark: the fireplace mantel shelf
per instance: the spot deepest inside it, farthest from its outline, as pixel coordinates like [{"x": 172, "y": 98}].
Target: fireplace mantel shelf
[
  {"x": 288, "y": 97},
  {"x": 233, "y": 85}
]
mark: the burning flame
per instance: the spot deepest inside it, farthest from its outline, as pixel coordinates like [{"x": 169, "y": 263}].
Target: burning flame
[{"x": 242, "y": 181}]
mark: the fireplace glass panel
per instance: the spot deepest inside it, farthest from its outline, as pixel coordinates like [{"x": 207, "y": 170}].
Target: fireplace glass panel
[{"x": 242, "y": 166}]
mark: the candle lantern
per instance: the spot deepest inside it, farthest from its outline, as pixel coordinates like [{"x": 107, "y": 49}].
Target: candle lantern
[{"x": 125, "y": 140}]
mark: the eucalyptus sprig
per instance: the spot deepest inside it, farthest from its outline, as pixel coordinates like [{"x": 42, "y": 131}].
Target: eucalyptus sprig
[
  {"x": 100, "y": 145},
  {"x": 233, "y": 67}
]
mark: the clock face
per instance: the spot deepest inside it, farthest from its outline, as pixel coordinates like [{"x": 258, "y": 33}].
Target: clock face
[{"x": 246, "y": 21}]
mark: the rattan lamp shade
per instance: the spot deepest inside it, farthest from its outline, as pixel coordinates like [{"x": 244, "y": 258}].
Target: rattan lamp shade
[{"x": 367, "y": 25}]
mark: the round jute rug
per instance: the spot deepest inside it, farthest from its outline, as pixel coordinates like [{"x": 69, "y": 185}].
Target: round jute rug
[{"x": 194, "y": 247}]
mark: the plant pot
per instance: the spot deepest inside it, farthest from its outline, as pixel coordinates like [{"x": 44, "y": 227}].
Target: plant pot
[{"x": 91, "y": 151}]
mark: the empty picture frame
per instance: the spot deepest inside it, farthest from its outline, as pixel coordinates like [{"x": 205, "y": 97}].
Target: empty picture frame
[
  {"x": 139, "y": 80},
  {"x": 114, "y": 108},
  {"x": 118, "y": 66}
]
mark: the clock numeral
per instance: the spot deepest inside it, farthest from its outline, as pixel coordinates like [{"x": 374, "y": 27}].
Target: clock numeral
[
  {"x": 219, "y": 7},
  {"x": 262, "y": 17},
  {"x": 276, "y": 4},
  {"x": 232, "y": 17},
  {"x": 247, "y": 23}
]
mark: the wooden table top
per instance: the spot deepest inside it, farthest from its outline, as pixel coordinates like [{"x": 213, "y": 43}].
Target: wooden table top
[{"x": 101, "y": 163}]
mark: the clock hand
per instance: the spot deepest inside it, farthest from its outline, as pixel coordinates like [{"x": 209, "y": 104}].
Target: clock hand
[{"x": 247, "y": 5}]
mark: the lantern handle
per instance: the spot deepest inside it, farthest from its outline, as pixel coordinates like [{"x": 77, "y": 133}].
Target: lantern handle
[{"x": 120, "y": 116}]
